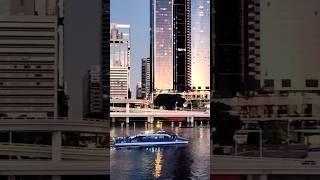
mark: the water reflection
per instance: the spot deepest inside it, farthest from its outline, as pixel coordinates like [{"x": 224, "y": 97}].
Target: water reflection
[{"x": 158, "y": 165}]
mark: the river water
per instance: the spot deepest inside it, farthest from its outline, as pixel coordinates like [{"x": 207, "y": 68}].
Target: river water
[{"x": 174, "y": 162}]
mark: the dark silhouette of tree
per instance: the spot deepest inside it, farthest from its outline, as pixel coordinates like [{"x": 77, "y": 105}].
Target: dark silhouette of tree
[
  {"x": 274, "y": 132},
  {"x": 224, "y": 124},
  {"x": 169, "y": 101}
]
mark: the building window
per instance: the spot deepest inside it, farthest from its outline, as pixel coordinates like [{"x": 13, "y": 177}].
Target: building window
[
  {"x": 286, "y": 83},
  {"x": 21, "y": 2},
  {"x": 268, "y": 83},
  {"x": 207, "y": 87},
  {"x": 312, "y": 83}
]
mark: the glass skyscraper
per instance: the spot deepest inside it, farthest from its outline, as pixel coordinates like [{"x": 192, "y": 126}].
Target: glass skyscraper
[
  {"x": 162, "y": 44},
  {"x": 200, "y": 44},
  {"x": 171, "y": 44}
]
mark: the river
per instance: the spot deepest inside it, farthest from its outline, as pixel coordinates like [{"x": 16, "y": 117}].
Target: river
[{"x": 174, "y": 162}]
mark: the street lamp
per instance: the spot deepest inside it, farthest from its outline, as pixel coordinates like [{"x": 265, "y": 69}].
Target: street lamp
[
  {"x": 176, "y": 104},
  {"x": 184, "y": 106},
  {"x": 288, "y": 131}
]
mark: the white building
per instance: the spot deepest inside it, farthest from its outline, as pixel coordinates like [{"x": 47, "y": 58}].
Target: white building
[
  {"x": 119, "y": 61},
  {"x": 31, "y": 57},
  {"x": 283, "y": 40}
]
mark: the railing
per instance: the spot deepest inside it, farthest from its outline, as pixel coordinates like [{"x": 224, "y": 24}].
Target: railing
[{"x": 53, "y": 119}]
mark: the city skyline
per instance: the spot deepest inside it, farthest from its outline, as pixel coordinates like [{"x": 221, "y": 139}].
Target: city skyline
[{"x": 140, "y": 40}]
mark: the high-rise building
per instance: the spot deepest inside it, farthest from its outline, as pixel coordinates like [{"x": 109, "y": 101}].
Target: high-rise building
[
  {"x": 282, "y": 35},
  {"x": 252, "y": 51},
  {"x": 119, "y": 61},
  {"x": 230, "y": 51},
  {"x": 181, "y": 45},
  {"x": 92, "y": 89},
  {"x": 146, "y": 77},
  {"x": 105, "y": 56},
  {"x": 31, "y": 58},
  {"x": 139, "y": 94},
  {"x": 170, "y": 44},
  {"x": 200, "y": 45}
]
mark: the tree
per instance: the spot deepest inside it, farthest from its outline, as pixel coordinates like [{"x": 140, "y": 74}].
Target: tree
[
  {"x": 195, "y": 103},
  {"x": 274, "y": 132},
  {"x": 169, "y": 101},
  {"x": 224, "y": 123}
]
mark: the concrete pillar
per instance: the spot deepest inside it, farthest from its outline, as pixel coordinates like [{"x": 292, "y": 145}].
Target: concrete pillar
[
  {"x": 250, "y": 177},
  {"x": 172, "y": 124},
  {"x": 113, "y": 119},
  {"x": 201, "y": 123},
  {"x": 302, "y": 135},
  {"x": 127, "y": 107},
  {"x": 275, "y": 110},
  {"x": 10, "y": 137},
  {"x": 127, "y": 120},
  {"x": 263, "y": 177},
  {"x": 12, "y": 177},
  {"x": 56, "y": 146},
  {"x": 180, "y": 124},
  {"x": 56, "y": 177},
  {"x": 191, "y": 119},
  {"x": 151, "y": 119}
]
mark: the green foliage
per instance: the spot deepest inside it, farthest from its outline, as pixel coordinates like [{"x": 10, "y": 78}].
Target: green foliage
[
  {"x": 195, "y": 103},
  {"x": 224, "y": 123},
  {"x": 274, "y": 132},
  {"x": 169, "y": 101}
]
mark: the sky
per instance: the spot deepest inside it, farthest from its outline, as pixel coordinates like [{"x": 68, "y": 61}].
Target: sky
[
  {"x": 82, "y": 43},
  {"x": 137, "y": 14}
]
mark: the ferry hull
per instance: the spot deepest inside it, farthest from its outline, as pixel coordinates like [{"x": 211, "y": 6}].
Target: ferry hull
[{"x": 150, "y": 143}]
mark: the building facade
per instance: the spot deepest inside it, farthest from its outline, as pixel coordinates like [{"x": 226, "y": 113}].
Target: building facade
[
  {"x": 139, "y": 94},
  {"x": 92, "y": 93},
  {"x": 230, "y": 48},
  {"x": 200, "y": 45},
  {"x": 288, "y": 62},
  {"x": 119, "y": 61},
  {"x": 31, "y": 58},
  {"x": 146, "y": 77},
  {"x": 251, "y": 51},
  {"x": 105, "y": 56},
  {"x": 171, "y": 44}
]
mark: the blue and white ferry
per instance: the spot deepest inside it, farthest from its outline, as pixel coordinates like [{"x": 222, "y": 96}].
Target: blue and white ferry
[{"x": 150, "y": 139}]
